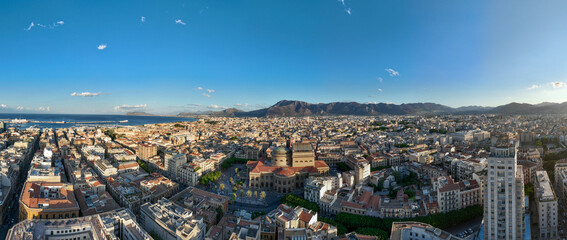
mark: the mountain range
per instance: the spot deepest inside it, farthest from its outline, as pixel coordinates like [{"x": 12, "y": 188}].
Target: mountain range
[{"x": 288, "y": 108}]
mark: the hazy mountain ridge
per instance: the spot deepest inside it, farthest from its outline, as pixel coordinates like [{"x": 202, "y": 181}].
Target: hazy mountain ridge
[{"x": 289, "y": 108}]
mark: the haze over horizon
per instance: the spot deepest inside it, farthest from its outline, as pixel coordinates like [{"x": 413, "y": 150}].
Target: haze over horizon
[{"x": 110, "y": 57}]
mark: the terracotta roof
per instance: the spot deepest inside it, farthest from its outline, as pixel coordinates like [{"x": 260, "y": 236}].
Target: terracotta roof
[
  {"x": 31, "y": 196},
  {"x": 305, "y": 216},
  {"x": 284, "y": 172},
  {"x": 449, "y": 187}
]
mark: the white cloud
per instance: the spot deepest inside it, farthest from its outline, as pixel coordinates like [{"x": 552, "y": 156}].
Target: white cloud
[
  {"x": 558, "y": 84},
  {"x": 206, "y": 95},
  {"x": 143, "y": 19},
  {"x": 199, "y": 88},
  {"x": 30, "y": 27},
  {"x": 101, "y": 47},
  {"x": 379, "y": 89},
  {"x": 124, "y": 107},
  {"x": 20, "y": 108},
  {"x": 85, "y": 94},
  {"x": 214, "y": 106},
  {"x": 238, "y": 105},
  {"x": 178, "y": 21},
  {"x": 210, "y": 90},
  {"x": 534, "y": 87},
  {"x": 392, "y": 72},
  {"x": 380, "y": 79},
  {"x": 50, "y": 26},
  {"x": 44, "y": 109},
  {"x": 347, "y": 9},
  {"x": 3, "y": 106}
]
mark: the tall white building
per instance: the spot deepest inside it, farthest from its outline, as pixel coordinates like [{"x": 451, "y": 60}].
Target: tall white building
[
  {"x": 504, "y": 194},
  {"x": 546, "y": 204},
  {"x": 173, "y": 162}
]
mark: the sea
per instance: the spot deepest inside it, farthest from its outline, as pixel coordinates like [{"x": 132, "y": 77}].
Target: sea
[{"x": 77, "y": 120}]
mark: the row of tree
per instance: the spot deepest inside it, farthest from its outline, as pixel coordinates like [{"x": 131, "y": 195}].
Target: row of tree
[{"x": 382, "y": 226}]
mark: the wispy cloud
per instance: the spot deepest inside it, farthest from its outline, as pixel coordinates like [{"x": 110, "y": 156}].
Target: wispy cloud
[
  {"x": 30, "y": 27},
  {"x": 50, "y": 26},
  {"x": 206, "y": 95},
  {"x": 125, "y": 108},
  {"x": 194, "y": 105},
  {"x": 85, "y": 94},
  {"x": 199, "y": 88},
  {"x": 392, "y": 72},
  {"x": 44, "y": 109},
  {"x": 380, "y": 79},
  {"x": 347, "y": 9},
  {"x": 210, "y": 90},
  {"x": 179, "y": 21},
  {"x": 101, "y": 47},
  {"x": 3, "y": 106},
  {"x": 558, "y": 84},
  {"x": 143, "y": 19},
  {"x": 19, "y": 108},
  {"x": 379, "y": 89},
  {"x": 534, "y": 87},
  {"x": 238, "y": 105}
]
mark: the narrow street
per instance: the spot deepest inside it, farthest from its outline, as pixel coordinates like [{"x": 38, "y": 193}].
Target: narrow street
[{"x": 12, "y": 216}]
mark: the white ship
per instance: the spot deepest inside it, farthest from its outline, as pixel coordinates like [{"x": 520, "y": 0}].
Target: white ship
[{"x": 21, "y": 120}]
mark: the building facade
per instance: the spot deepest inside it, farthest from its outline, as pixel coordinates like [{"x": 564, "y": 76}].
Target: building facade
[{"x": 504, "y": 194}]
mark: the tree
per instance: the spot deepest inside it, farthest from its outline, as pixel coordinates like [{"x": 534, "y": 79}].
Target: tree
[
  {"x": 256, "y": 194},
  {"x": 249, "y": 193},
  {"x": 221, "y": 186},
  {"x": 235, "y": 170},
  {"x": 234, "y": 189},
  {"x": 233, "y": 196},
  {"x": 262, "y": 194},
  {"x": 230, "y": 180}
]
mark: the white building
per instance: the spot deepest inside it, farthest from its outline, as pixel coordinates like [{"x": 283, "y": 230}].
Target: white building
[
  {"x": 173, "y": 162},
  {"x": 316, "y": 187},
  {"x": 171, "y": 221},
  {"x": 504, "y": 194},
  {"x": 546, "y": 204}
]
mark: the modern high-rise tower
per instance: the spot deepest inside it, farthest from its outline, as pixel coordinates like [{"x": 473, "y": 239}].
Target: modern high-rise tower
[{"x": 504, "y": 193}]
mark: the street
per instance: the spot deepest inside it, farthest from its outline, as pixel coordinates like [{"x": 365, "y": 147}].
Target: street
[{"x": 12, "y": 216}]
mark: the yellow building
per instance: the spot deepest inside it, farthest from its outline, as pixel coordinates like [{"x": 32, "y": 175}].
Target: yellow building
[
  {"x": 287, "y": 169},
  {"x": 43, "y": 200}
]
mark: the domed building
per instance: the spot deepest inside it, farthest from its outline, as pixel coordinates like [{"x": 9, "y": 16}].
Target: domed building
[{"x": 287, "y": 169}]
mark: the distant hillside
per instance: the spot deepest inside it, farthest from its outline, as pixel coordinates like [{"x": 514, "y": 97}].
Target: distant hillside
[
  {"x": 287, "y": 108},
  {"x": 299, "y": 108},
  {"x": 524, "y": 108},
  {"x": 138, "y": 114}
]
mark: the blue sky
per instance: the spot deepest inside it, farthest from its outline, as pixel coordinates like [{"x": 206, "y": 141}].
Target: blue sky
[{"x": 208, "y": 55}]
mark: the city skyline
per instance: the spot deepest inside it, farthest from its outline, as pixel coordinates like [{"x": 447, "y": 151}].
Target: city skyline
[{"x": 189, "y": 56}]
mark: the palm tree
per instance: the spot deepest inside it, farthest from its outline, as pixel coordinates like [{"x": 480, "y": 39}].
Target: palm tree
[
  {"x": 256, "y": 194},
  {"x": 249, "y": 193},
  {"x": 262, "y": 194},
  {"x": 221, "y": 186}
]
